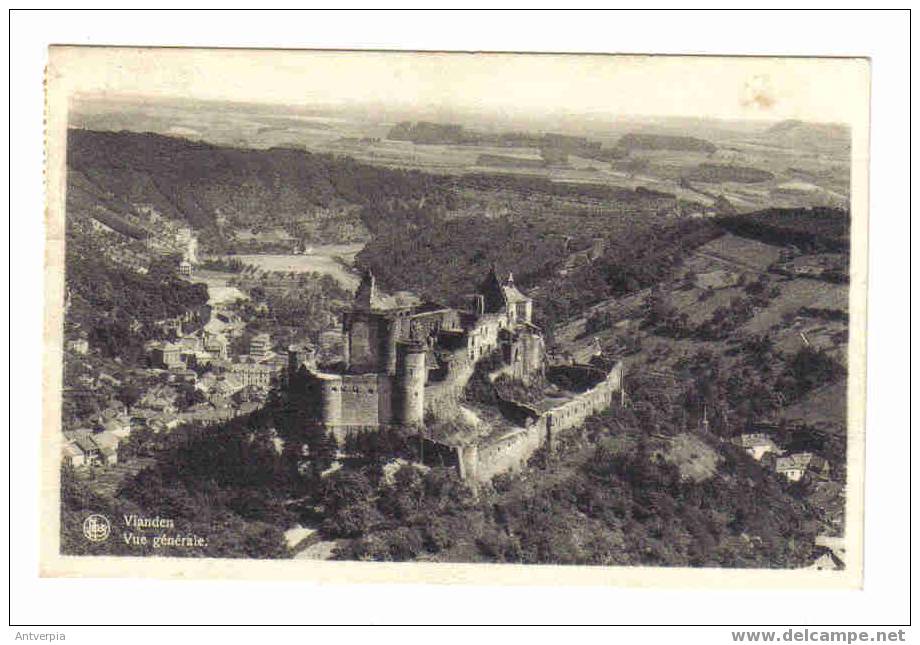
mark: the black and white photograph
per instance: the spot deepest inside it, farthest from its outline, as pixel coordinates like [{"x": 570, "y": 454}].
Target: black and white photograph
[{"x": 602, "y": 312}]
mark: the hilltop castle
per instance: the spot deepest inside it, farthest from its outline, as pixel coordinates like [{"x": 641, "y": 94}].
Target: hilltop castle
[{"x": 404, "y": 357}]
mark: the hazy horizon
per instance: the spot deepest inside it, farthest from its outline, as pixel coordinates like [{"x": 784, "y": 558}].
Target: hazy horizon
[{"x": 505, "y": 87}]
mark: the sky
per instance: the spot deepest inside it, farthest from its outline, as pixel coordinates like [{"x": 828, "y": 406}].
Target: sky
[{"x": 772, "y": 89}]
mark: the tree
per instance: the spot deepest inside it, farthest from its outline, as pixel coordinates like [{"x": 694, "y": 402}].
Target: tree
[
  {"x": 811, "y": 368},
  {"x": 322, "y": 447},
  {"x": 128, "y": 394},
  {"x": 345, "y": 488},
  {"x": 188, "y": 396}
]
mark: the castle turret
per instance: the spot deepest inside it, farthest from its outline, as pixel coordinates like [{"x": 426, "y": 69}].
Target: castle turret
[
  {"x": 301, "y": 355},
  {"x": 388, "y": 348},
  {"x": 409, "y": 386}
]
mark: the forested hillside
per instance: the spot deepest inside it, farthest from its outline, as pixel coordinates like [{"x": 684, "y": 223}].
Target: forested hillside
[
  {"x": 117, "y": 308},
  {"x": 213, "y": 188},
  {"x": 814, "y": 230}
]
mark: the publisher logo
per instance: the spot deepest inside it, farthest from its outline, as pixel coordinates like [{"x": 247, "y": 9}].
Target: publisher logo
[{"x": 96, "y": 528}]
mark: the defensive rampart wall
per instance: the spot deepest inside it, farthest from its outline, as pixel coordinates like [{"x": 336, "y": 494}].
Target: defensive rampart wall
[{"x": 511, "y": 451}]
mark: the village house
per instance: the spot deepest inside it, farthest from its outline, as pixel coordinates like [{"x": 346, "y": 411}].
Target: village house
[
  {"x": 73, "y": 455},
  {"x": 215, "y": 345},
  {"x": 260, "y": 345},
  {"x": 78, "y": 346},
  {"x": 161, "y": 399},
  {"x": 108, "y": 446},
  {"x": 185, "y": 375},
  {"x": 209, "y": 416},
  {"x": 120, "y": 427},
  {"x": 218, "y": 389},
  {"x": 189, "y": 343},
  {"x": 114, "y": 419},
  {"x": 166, "y": 355},
  {"x": 757, "y": 444},
  {"x": 797, "y": 465},
  {"x": 163, "y": 422},
  {"x": 250, "y": 393},
  {"x": 259, "y": 374},
  {"x": 83, "y": 447},
  {"x": 224, "y": 324}
]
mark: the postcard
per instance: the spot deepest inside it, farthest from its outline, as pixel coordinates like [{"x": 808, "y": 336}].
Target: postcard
[{"x": 483, "y": 318}]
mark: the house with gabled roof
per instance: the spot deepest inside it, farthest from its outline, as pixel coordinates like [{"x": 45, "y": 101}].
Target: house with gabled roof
[
  {"x": 797, "y": 465},
  {"x": 83, "y": 447}
]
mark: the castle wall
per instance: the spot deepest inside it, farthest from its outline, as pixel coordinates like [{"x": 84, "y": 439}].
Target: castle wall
[
  {"x": 348, "y": 402},
  {"x": 385, "y": 398},
  {"x": 436, "y": 454},
  {"x": 483, "y": 338},
  {"x": 360, "y": 400},
  {"x": 527, "y": 354},
  {"x": 510, "y": 452},
  {"x": 468, "y": 462},
  {"x": 370, "y": 340},
  {"x": 428, "y": 323},
  {"x": 579, "y": 376},
  {"x": 444, "y": 393}
]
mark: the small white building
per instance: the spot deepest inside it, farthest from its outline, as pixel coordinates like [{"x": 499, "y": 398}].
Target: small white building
[
  {"x": 757, "y": 444},
  {"x": 260, "y": 345},
  {"x": 78, "y": 346},
  {"x": 73, "y": 455}
]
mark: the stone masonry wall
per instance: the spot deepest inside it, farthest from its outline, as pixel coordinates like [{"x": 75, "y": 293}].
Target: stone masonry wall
[
  {"x": 360, "y": 404},
  {"x": 510, "y": 452}
]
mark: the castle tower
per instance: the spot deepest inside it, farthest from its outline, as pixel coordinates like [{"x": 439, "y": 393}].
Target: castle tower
[
  {"x": 409, "y": 386},
  {"x": 388, "y": 349},
  {"x": 299, "y": 355}
]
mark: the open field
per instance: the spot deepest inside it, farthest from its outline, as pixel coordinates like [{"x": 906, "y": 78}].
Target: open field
[
  {"x": 329, "y": 259},
  {"x": 219, "y": 291}
]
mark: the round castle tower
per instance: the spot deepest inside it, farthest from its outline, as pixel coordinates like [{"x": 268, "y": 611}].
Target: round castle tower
[
  {"x": 330, "y": 400},
  {"x": 409, "y": 386}
]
